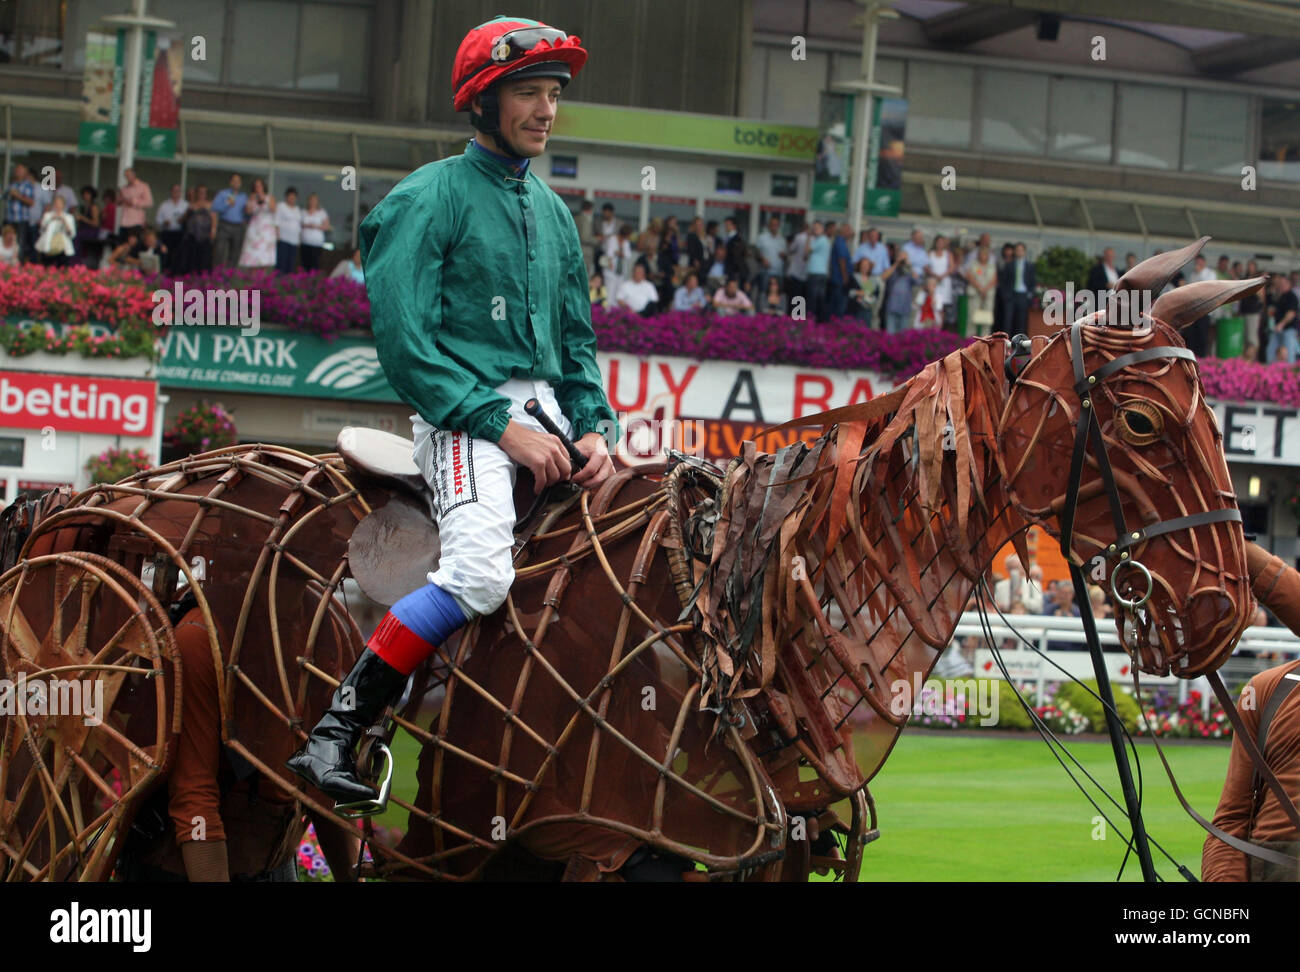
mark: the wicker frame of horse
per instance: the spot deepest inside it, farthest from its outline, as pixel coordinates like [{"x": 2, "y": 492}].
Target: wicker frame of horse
[{"x": 682, "y": 662}]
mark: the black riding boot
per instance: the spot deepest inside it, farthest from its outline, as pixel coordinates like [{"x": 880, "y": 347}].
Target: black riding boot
[{"x": 326, "y": 760}]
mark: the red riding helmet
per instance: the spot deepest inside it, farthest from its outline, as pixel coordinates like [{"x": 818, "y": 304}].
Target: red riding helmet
[{"x": 513, "y": 46}]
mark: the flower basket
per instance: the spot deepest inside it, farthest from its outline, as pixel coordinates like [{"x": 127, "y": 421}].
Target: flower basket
[
  {"x": 200, "y": 428},
  {"x": 113, "y": 465}
]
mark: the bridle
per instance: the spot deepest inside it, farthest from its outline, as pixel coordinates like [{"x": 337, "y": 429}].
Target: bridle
[{"x": 1088, "y": 435}]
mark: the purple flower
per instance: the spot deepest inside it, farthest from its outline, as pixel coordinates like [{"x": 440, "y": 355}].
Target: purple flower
[{"x": 843, "y": 343}]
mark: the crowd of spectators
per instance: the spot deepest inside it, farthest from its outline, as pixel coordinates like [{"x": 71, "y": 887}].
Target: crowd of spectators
[
  {"x": 817, "y": 272},
  {"x": 189, "y": 231},
  {"x": 891, "y": 285}
]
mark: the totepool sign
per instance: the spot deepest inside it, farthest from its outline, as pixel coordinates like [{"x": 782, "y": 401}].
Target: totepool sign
[
  {"x": 684, "y": 131},
  {"x": 785, "y": 142}
]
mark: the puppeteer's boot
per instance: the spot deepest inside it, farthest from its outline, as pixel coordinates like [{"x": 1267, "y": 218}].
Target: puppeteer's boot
[{"x": 327, "y": 759}]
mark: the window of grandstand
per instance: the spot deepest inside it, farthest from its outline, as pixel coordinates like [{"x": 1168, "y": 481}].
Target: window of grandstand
[
  {"x": 11, "y": 450},
  {"x": 787, "y": 93},
  {"x": 1079, "y": 119},
  {"x": 267, "y": 33},
  {"x": 730, "y": 181},
  {"x": 1215, "y": 132},
  {"x": 564, "y": 166},
  {"x": 1279, "y": 140},
  {"x": 785, "y": 186},
  {"x": 288, "y": 44},
  {"x": 332, "y": 46},
  {"x": 206, "y": 20},
  {"x": 939, "y": 103},
  {"x": 1150, "y": 126},
  {"x": 31, "y": 32},
  {"x": 1012, "y": 112}
]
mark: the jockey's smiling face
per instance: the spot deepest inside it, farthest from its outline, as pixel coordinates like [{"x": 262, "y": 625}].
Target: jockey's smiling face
[{"x": 527, "y": 111}]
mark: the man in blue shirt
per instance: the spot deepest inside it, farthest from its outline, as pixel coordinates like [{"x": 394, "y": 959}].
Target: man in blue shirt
[
  {"x": 690, "y": 296},
  {"x": 229, "y": 207},
  {"x": 918, "y": 257},
  {"x": 841, "y": 273},
  {"x": 873, "y": 249},
  {"x": 819, "y": 266},
  {"x": 20, "y": 200}
]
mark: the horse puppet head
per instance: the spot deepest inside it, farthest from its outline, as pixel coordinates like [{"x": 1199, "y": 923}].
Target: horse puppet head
[{"x": 1107, "y": 441}]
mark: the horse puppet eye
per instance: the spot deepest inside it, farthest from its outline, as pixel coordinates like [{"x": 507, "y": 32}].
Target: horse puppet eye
[{"x": 1139, "y": 423}]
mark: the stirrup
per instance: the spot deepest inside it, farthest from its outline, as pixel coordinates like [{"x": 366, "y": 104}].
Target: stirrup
[{"x": 374, "y": 805}]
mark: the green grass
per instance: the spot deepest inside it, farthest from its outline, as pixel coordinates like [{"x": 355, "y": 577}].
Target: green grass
[
  {"x": 966, "y": 807},
  {"x": 970, "y": 808}
]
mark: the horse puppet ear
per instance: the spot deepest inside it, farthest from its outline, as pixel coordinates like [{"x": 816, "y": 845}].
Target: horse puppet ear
[
  {"x": 1182, "y": 306},
  {"x": 1152, "y": 274}
]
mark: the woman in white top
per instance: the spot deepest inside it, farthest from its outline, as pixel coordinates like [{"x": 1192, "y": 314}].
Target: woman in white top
[
  {"x": 259, "y": 238},
  {"x": 288, "y": 229},
  {"x": 981, "y": 281},
  {"x": 9, "y": 246},
  {"x": 58, "y": 228},
  {"x": 941, "y": 265},
  {"x": 315, "y": 224}
]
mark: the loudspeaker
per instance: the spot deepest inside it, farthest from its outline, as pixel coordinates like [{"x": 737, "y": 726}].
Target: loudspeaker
[{"x": 1049, "y": 25}]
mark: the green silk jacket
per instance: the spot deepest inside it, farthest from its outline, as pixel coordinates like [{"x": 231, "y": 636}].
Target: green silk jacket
[{"x": 476, "y": 277}]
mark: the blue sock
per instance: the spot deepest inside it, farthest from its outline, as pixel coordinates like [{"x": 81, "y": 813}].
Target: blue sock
[{"x": 430, "y": 612}]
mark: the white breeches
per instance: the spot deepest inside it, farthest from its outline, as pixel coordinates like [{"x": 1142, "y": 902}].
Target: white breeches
[{"x": 473, "y": 482}]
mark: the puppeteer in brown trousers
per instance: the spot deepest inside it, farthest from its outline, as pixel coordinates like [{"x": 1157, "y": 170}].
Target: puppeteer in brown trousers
[
  {"x": 1248, "y": 809},
  {"x": 214, "y": 822}
]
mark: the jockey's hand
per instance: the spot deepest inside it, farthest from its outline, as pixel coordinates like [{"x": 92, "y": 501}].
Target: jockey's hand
[
  {"x": 543, "y": 454},
  {"x": 599, "y": 466}
]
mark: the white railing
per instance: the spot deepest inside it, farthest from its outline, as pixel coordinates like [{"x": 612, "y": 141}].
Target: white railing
[
  {"x": 1041, "y": 628},
  {"x": 1025, "y": 665}
]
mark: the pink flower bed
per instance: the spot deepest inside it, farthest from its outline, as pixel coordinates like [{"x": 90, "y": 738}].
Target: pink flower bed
[
  {"x": 1234, "y": 379},
  {"x": 844, "y": 342}
]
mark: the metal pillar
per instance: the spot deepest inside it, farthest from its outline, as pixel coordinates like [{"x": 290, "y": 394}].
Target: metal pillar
[{"x": 863, "y": 90}]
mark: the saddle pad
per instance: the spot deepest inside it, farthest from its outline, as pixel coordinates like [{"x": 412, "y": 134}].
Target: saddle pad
[
  {"x": 393, "y": 549},
  {"x": 378, "y": 453}
]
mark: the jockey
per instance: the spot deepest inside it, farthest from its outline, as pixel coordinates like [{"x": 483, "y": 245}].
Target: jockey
[{"x": 479, "y": 302}]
